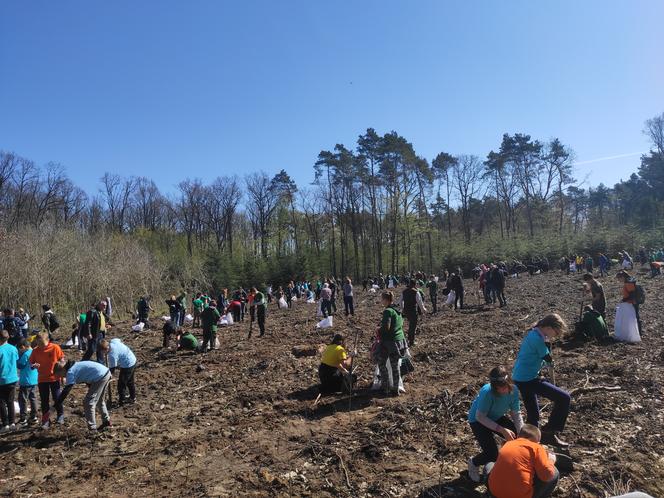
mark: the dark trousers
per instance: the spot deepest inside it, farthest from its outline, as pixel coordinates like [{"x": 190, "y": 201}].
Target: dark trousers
[
  {"x": 330, "y": 380},
  {"x": 501, "y": 296},
  {"x": 236, "y": 311},
  {"x": 26, "y": 394},
  {"x": 412, "y": 326},
  {"x": 260, "y": 314},
  {"x": 485, "y": 438},
  {"x": 561, "y": 401},
  {"x": 46, "y": 389},
  {"x": 126, "y": 383},
  {"x": 333, "y": 303},
  {"x": 326, "y": 307},
  {"x": 209, "y": 337},
  {"x": 458, "y": 298},
  {"x": 434, "y": 302},
  {"x": 93, "y": 348},
  {"x": 7, "y": 411},
  {"x": 638, "y": 318},
  {"x": 348, "y": 305}
]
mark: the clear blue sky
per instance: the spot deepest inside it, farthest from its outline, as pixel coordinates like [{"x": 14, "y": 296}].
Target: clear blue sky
[{"x": 176, "y": 89}]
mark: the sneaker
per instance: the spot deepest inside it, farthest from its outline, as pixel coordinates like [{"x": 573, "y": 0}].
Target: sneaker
[
  {"x": 106, "y": 424},
  {"x": 23, "y": 421},
  {"x": 5, "y": 429},
  {"x": 61, "y": 420},
  {"x": 46, "y": 425},
  {"x": 549, "y": 437},
  {"x": 473, "y": 471},
  {"x": 33, "y": 420}
]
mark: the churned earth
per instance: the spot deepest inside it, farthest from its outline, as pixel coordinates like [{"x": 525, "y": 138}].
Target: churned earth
[{"x": 243, "y": 420}]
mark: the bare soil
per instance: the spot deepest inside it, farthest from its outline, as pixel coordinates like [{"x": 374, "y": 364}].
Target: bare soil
[{"x": 242, "y": 421}]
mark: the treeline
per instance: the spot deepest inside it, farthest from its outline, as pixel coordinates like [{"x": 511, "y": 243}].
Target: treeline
[{"x": 374, "y": 207}]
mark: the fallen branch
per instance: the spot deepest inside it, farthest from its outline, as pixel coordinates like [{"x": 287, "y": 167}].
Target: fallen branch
[
  {"x": 590, "y": 389},
  {"x": 343, "y": 466}
]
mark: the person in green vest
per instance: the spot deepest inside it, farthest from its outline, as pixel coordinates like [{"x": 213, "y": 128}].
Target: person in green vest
[
  {"x": 198, "y": 304},
  {"x": 391, "y": 346},
  {"x": 258, "y": 303},
  {"x": 432, "y": 285},
  {"x": 188, "y": 342},
  {"x": 592, "y": 324},
  {"x": 209, "y": 319},
  {"x": 182, "y": 299}
]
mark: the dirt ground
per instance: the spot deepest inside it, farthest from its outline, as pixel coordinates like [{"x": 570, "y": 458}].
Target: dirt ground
[{"x": 242, "y": 421}]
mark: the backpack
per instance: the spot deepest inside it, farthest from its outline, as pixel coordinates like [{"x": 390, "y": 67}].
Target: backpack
[
  {"x": 639, "y": 294},
  {"x": 53, "y": 323}
]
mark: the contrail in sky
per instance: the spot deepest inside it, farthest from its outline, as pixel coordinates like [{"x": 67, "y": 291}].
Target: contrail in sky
[{"x": 608, "y": 158}]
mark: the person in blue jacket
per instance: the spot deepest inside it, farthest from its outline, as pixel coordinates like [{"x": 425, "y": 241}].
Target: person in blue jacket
[
  {"x": 533, "y": 355},
  {"x": 488, "y": 416},
  {"x": 97, "y": 377},
  {"x": 120, "y": 356},
  {"x": 27, "y": 384},
  {"x": 8, "y": 380}
]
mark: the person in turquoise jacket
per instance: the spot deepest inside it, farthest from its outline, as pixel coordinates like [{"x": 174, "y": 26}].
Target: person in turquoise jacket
[
  {"x": 8, "y": 380},
  {"x": 27, "y": 384}
]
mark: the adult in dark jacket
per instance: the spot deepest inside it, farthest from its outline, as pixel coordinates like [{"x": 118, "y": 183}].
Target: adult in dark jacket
[
  {"x": 411, "y": 302},
  {"x": 498, "y": 282},
  {"x": 95, "y": 327},
  {"x": 456, "y": 284}
]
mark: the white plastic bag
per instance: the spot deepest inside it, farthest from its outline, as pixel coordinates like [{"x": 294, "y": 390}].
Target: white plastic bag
[
  {"x": 372, "y": 290},
  {"x": 375, "y": 287},
  {"x": 294, "y": 299},
  {"x": 311, "y": 301},
  {"x": 282, "y": 303},
  {"x": 229, "y": 318},
  {"x": 188, "y": 318},
  {"x": 166, "y": 318},
  {"x": 451, "y": 297},
  {"x": 223, "y": 322},
  {"x": 325, "y": 323},
  {"x": 138, "y": 327},
  {"x": 627, "y": 328},
  {"x": 377, "y": 383}
]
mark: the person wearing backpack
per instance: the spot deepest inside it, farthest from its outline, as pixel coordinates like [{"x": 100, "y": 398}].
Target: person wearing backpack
[
  {"x": 50, "y": 321},
  {"x": 14, "y": 326}
]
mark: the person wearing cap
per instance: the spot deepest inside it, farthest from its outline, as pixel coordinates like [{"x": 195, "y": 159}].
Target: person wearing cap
[
  {"x": 333, "y": 366},
  {"x": 209, "y": 319},
  {"x": 488, "y": 416}
]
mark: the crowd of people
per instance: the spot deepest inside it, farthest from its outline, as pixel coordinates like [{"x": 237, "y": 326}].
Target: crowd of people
[{"x": 32, "y": 364}]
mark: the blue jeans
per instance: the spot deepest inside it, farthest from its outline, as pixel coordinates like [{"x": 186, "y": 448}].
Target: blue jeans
[{"x": 539, "y": 387}]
